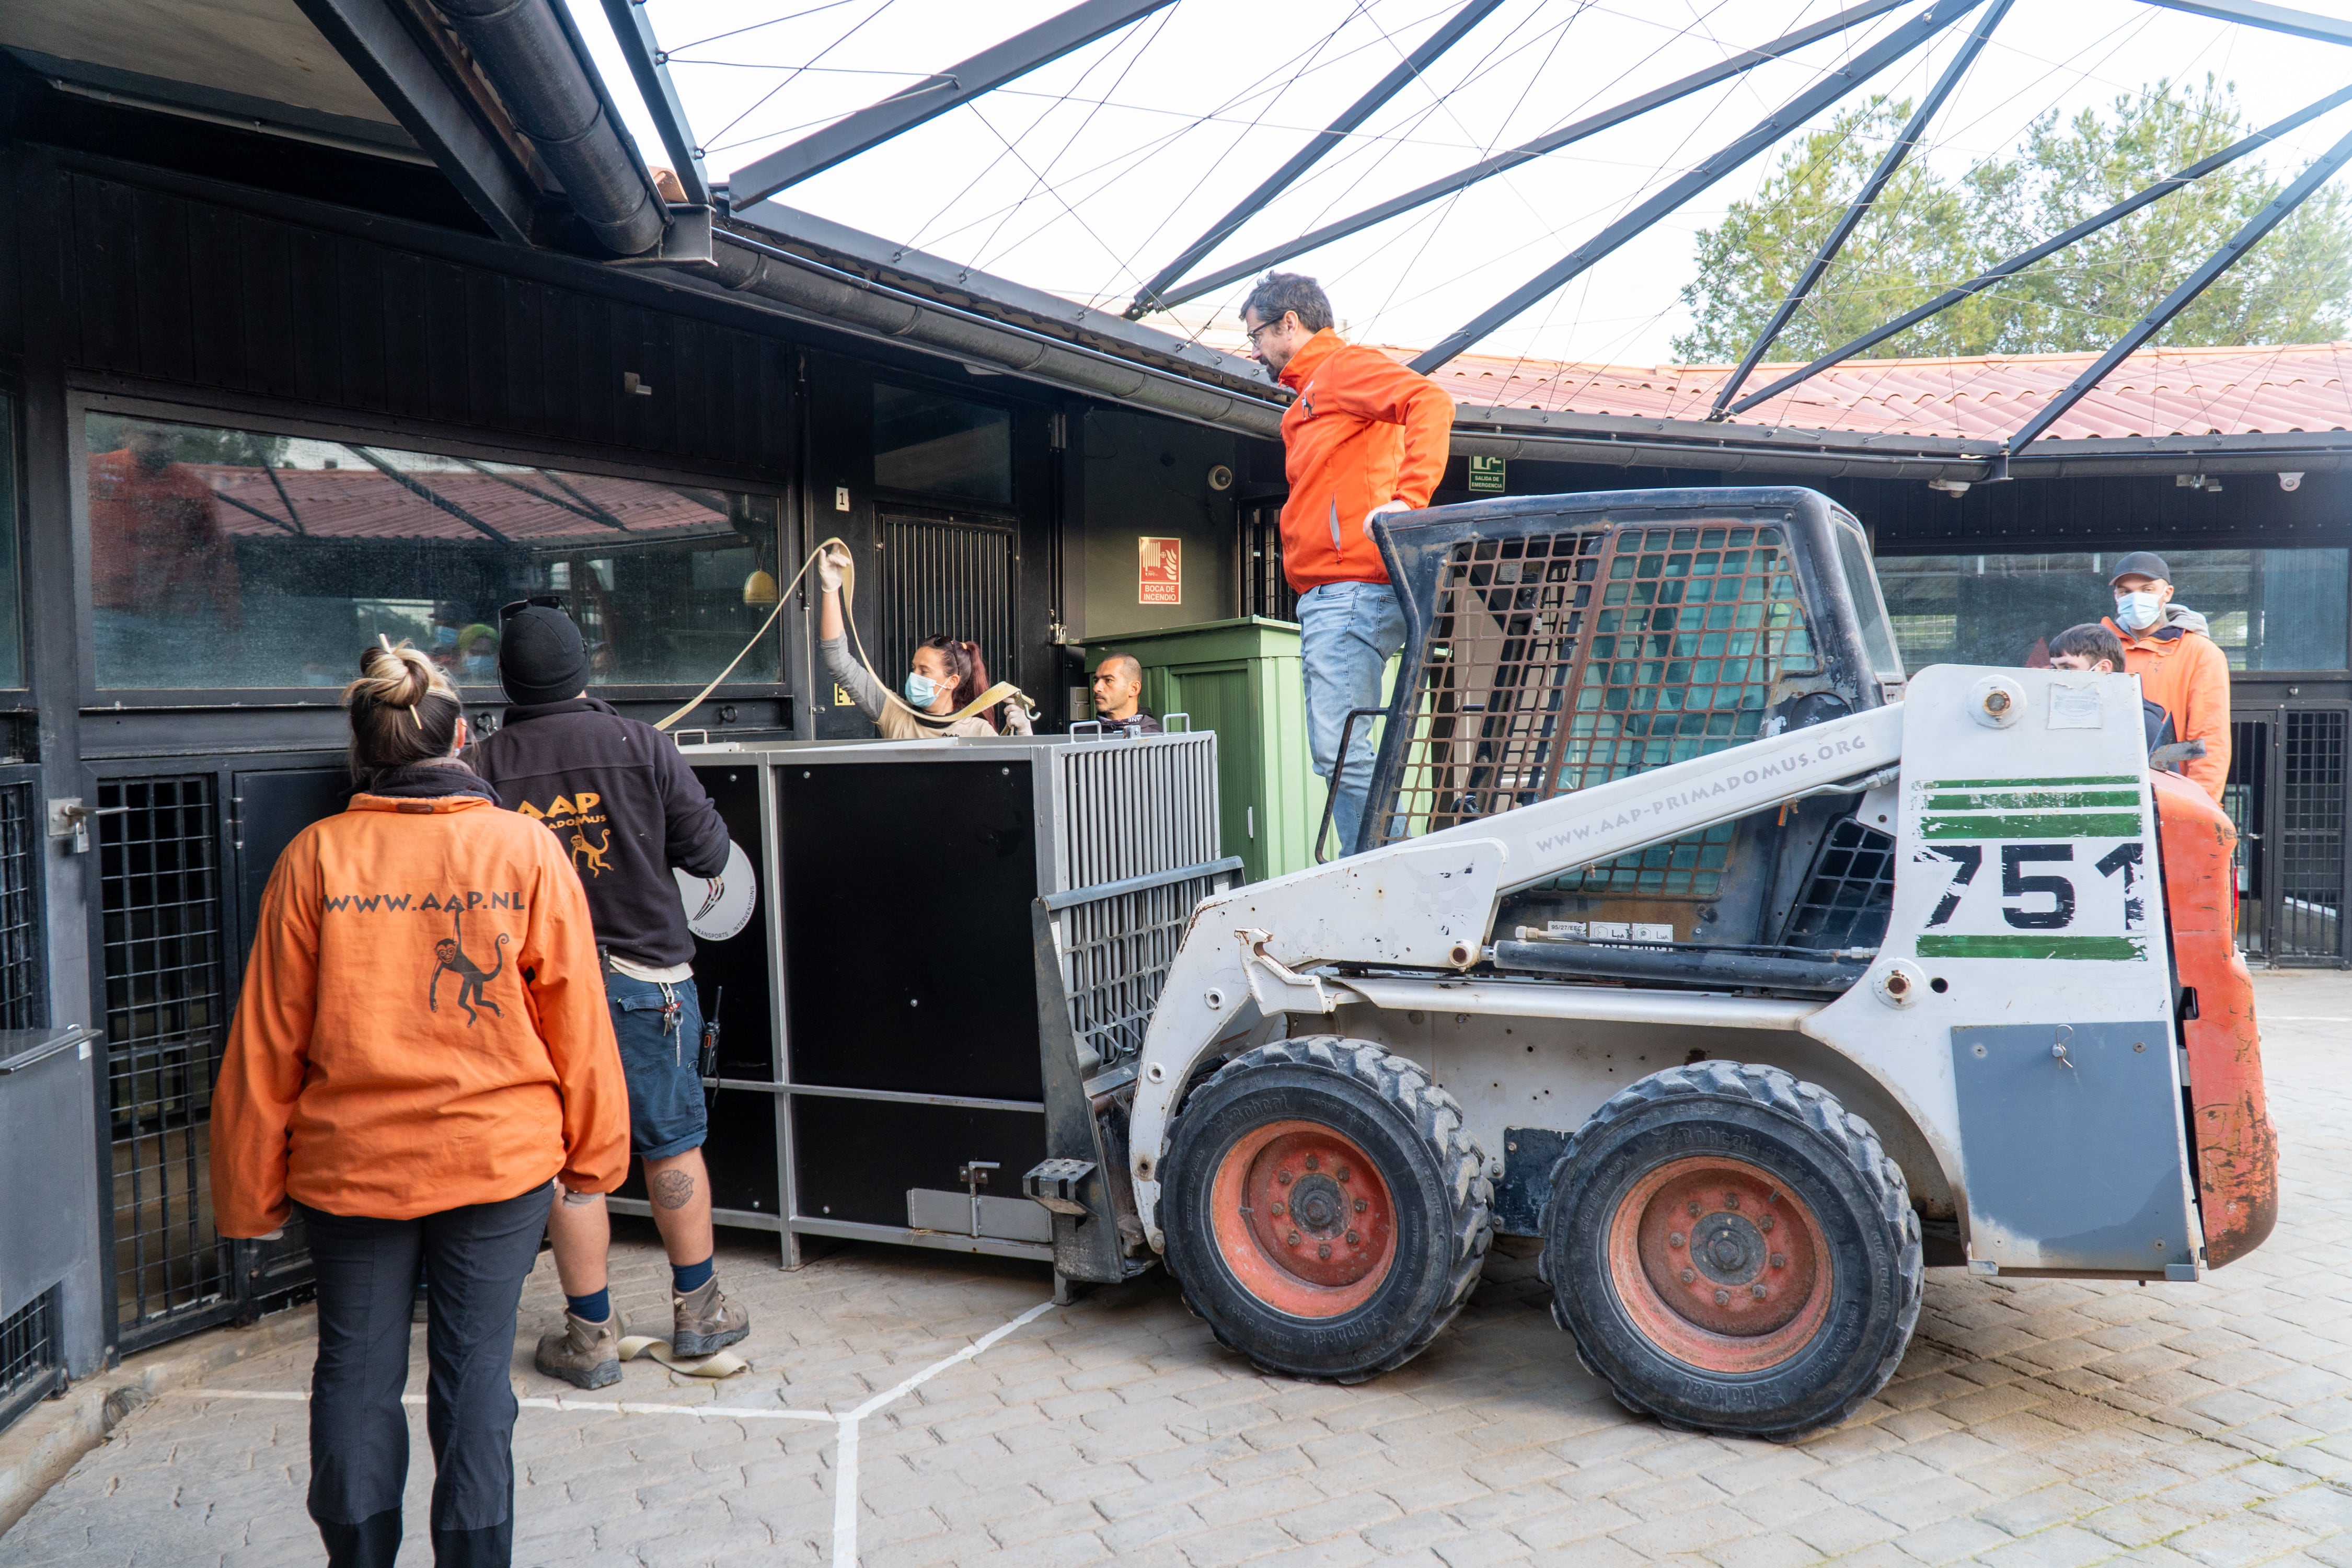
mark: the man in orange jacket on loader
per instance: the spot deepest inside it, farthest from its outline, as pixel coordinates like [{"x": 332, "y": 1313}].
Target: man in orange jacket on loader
[
  {"x": 1365, "y": 435},
  {"x": 2180, "y": 667}
]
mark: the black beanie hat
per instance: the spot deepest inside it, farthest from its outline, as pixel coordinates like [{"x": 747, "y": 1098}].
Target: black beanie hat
[{"x": 541, "y": 656}]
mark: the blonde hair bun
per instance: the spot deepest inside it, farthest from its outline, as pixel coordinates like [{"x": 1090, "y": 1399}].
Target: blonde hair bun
[{"x": 397, "y": 677}]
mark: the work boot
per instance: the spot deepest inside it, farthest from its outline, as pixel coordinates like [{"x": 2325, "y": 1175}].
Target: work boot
[
  {"x": 583, "y": 1355},
  {"x": 706, "y": 1322}
]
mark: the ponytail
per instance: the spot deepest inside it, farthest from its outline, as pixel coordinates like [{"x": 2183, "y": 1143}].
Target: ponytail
[
  {"x": 402, "y": 710},
  {"x": 971, "y": 672}
]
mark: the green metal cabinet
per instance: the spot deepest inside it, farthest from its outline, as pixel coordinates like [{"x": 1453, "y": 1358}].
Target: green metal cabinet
[{"x": 1240, "y": 677}]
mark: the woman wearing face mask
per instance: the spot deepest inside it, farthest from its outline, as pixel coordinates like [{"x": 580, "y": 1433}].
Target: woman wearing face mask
[
  {"x": 948, "y": 677},
  {"x": 2178, "y": 665}
]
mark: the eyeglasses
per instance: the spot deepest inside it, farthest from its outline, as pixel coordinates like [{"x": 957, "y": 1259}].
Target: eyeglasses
[
  {"x": 544, "y": 601},
  {"x": 1254, "y": 332}
]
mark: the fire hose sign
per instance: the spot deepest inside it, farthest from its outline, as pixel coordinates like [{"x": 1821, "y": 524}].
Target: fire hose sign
[{"x": 1160, "y": 578}]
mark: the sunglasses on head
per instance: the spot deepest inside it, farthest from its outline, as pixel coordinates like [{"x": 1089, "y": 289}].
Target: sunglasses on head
[{"x": 545, "y": 601}]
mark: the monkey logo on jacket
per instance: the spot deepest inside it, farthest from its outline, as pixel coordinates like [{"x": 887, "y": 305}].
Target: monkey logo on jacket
[{"x": 449, "y": 956}]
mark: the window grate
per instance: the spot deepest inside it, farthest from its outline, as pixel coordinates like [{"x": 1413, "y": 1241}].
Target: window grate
[
  {"x": 28, "y": 1355},
  {"x": 24, "y": 989},
  {"x": 2311, "y": 837},
  {"x": 945, "y": 578},
  {"x": 1559, "y": 661},
  {"x": 1264, "y": 590},
  {"x": 166, "y": 1015},
  {"x": 1850, "y": 893}
]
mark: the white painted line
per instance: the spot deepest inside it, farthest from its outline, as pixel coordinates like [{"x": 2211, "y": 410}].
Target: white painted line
[
  {"x": 844, "y": 1479},
  {"x": 845, "y": 1489},
  {"x": 621, "y": 1406},
  {"x": 2299, "y": 1018}
]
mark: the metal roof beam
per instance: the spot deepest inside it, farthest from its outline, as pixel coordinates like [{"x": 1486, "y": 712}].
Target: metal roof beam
[
  {"x": 1147, "y": 299},
  {"x": 2272, "y": 18},
  {"x": 1864, "y": 200},
  {"x": 2251, "y": 142},
  {"x": 2196, "y": 283},
  {"x": 1833, "y": 87},
  {"x": 991, "y": 69},
  {"x": 1551, "y": 141},
  {"x": 650, "y": 65},
  {"x": 443, "y": 122}
]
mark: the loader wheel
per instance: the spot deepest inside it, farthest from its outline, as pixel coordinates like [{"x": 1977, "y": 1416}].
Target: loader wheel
[
  {"x": 1733, "y": 1251},
  {"x": 1325, "y": 1212}
]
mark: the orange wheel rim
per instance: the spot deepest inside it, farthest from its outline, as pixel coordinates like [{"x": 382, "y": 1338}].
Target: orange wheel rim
[
  {"x": 1303, "y": 1219},
  {"x": 1719, "y": 1264}
]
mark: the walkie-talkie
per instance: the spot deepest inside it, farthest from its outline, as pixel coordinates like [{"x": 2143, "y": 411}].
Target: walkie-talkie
[{"x": 709, "y": 1062}]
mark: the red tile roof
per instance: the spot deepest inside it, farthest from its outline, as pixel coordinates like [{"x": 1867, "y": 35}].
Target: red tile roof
[{"x": 2156, "y": 392}]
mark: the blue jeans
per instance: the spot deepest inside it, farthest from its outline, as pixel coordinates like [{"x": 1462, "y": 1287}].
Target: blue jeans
[
  {"x": 1348, "y": 632},
  {"x": 662, "y": 1064}
]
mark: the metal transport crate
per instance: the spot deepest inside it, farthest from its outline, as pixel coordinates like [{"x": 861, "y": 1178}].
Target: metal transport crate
[{"x": 929, "y": 1022}]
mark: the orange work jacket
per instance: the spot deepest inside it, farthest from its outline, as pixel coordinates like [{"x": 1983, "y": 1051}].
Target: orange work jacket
[
  {"x": 1364, "y": 431},
  {"x": 2187, "y": 674},
  {"x": 423, "y": 1024}
]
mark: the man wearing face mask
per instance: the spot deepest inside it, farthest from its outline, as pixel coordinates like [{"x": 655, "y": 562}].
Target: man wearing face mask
[{"x": 2178, "y": 665}]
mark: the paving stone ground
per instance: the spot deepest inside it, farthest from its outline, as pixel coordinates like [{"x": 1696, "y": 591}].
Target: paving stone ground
[{"x": 2034, "y": 1423}]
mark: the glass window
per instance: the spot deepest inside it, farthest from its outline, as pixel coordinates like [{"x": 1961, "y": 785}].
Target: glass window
[
  {"x": 1877, "y": 639},
  {"x": 12, "y": 627},
  {"x": 2268, "y": 609},
  {"x": 231, "y": 558},
  {"x": 939, "y": 446}
]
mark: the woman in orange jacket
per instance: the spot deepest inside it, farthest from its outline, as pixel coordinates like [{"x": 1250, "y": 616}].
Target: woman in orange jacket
[{"x": 420, "y": 1052}]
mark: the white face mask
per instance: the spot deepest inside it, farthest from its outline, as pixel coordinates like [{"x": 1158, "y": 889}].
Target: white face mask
[{"x": 2137, "y": 611}]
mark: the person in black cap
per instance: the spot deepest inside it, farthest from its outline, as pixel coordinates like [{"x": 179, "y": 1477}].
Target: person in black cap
[
  {"x": 626, "y": 807},
  {"x": 2178, "y": 664}
]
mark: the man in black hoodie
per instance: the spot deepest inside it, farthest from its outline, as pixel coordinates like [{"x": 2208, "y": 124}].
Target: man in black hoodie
[{"x": 623, "y": 802}]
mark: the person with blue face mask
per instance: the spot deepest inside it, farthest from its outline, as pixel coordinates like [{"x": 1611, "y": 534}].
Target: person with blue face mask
[
  {"x": 2179, "y": 665},
  {"x": 948, "y": 677}
]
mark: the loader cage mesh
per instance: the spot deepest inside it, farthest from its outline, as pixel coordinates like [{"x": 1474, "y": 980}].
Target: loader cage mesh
[{"x": 1555, "y": 661}]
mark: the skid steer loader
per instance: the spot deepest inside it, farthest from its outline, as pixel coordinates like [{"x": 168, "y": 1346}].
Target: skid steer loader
[{"x": 1690, "y": 938}]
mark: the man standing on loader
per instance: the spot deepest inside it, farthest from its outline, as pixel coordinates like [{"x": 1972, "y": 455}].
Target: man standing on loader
[
  {"x": 1365, "y": 435},
  {"x": 625, "y": 805}
]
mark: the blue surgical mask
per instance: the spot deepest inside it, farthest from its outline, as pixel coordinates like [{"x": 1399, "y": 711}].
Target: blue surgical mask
[
  {"x": 444, "y": 637},
  {"x": 921, "y": 691},
  {"x": 481, "y": 663},
  {"x": 2137, "y": 611}
]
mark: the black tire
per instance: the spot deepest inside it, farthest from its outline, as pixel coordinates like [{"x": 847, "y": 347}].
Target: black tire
[
  {"x": 1602, "y": 1255},
  {"x": 1433, "y": 1181}
]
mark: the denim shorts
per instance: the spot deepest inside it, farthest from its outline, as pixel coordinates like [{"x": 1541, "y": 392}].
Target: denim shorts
[{"x": 665, "y": 1110}]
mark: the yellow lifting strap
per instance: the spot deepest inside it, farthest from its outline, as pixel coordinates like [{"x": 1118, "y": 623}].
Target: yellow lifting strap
[{"x": 1002, "y": 691}]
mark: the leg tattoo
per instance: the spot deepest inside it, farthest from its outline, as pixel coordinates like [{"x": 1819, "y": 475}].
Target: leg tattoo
[{"x": 673, "y": 1189}]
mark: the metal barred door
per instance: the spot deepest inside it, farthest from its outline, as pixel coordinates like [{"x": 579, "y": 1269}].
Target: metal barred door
[
  {"x": 2288, "y": 793},
  {"x": 950, "y": 576},
  {"x": 179, "y": 883}
]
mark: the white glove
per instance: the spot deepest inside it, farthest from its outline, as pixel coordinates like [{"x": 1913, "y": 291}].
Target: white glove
[
  {"x": 277, "y": 1235},
  {"x": 829, "y": 568}
]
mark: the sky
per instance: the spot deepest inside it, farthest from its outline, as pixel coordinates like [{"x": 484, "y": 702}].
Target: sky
[{"x": 1089, "y": 175}]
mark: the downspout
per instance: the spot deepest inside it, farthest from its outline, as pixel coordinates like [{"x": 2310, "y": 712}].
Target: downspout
[{"x": 525, "y": 52}]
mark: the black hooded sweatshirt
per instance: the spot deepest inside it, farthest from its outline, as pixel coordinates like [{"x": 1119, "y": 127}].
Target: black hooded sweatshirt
[{"x": 623, "y": 802}]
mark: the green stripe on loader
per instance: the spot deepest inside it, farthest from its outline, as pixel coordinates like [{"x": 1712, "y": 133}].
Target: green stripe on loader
[
  {"x": 2076, "y": 824},
  {"x": 2034, "y": 800},
  {"x": 2024, "y": 946},
  {"x": 2032, "y": 784}
]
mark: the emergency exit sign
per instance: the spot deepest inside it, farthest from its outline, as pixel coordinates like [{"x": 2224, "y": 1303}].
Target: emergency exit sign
[
  {"x": 1486, "y": 476},
  {"x": 1160, "y": 571}
]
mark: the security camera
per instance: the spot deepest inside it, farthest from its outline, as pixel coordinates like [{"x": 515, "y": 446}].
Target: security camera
[
  {"x": 1221, "y": 477},
  {"x": 2290, "y": 482}
]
